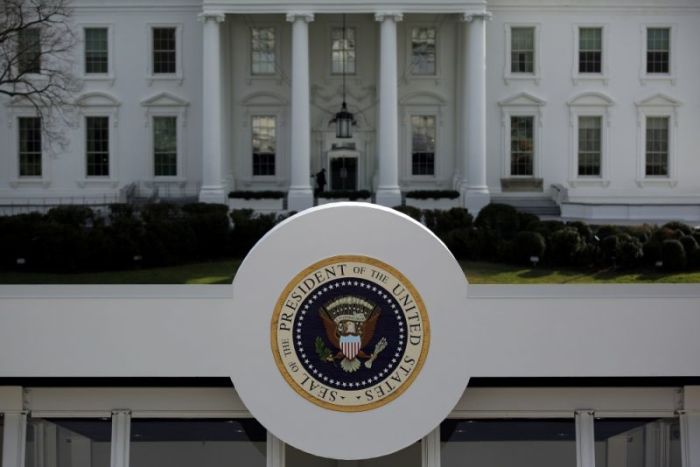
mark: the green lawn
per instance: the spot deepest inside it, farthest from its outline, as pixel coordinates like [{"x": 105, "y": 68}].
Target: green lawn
[{"x": 222, "y": 272}]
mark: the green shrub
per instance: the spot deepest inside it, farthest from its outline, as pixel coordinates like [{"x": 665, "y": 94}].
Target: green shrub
[
  {"x": 692, "y": 250},
  {"x": 652, "y": 253},
  {"x": 410, "y": 211},
  {"x": 211, "y": 225},
  {"x": 609, "y": 248},
  {"x": 564, "y": 246},
  {"x": 643, "y": 233},
  {"x": 673, "y": 255},
  {"x": 666, "y": 233},
  {"x": 455, "y": 218},
  {"x": 248, "y": 228},
  {"x": 500, "y": 220},
  {"x": 680, "y": 226},
  {"x": 605, "y": 231},
  {"x": 547, "y": 228},
  {"x": 629, "y": 252},
  {"x": 588, "y": 255},
  {"x": 168, "y": 236},
  {"x": 526, "y": 221},
  {"x": 526, "y": 245},
  {"x": 461, "y": 243},
  {"x": 584, "y": 230},
  {"x": 76, "y": 216}
]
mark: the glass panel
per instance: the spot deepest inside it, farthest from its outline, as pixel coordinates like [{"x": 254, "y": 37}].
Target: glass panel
[
  {"x": 522, "y": 50},
  {"x": 423, "y": 144},
  {"x": 30, "y": 147},
  {"x": 165, "y": 146},
  {"x": 658, "y": 49},
  {"x": 164, "y": 44},
  {"x": 197, "y": 442},
  {"x": 521, "y": 145},
  {"x": 590, "y": 50},
  {"x": 408, "y": 457},
  {"x": 589, "y": 146},
  {"x": 423, "y": 51},
  {"x": 264, "y": 145},
  {"x": 29, "y": 50},
  {"x": 508, "y": 443},
  {"x": 68, "y": 442},
  {"x": 657, "y": 146},
  {"x": 97, "y": 144},
  {"x": 96, "y": 60},
  {"x": 637, "y": 442},
  {"x": 263, "y": 60},
  {"x": 343, "y": 51}
]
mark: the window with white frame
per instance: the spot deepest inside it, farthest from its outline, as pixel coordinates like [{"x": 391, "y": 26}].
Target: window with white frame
[
  {"x": 263, "y": 56},
  {"x": 164, "y": 50},
  {"x": 343, "y": 51},
  {"x": 97, "y": 146},
  {"x": 29, "y": 50},
  {"x": 96, "y": 50},
  {"x": 522, "y": 145},
  {"x": 423, "y": 135},
  {"x": 165, "y": 146},
  {"x": 67, "y": 442},
  {"x": 30, "y": 146},
  {"x": 658, "y": 54},
  {"x": 423, "y": 50},
  {"x": 590, "y": 146},
  {"x": 657, "y": 147},
  {"x": 653, "y": 442},
  {"x": 264, "y": 142},
  {"x": 590, "y": 50},
  {"x": 522, "y": 50}
]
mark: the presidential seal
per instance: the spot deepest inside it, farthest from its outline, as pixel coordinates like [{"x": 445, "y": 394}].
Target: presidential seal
[{"x": 350, "y": 333}]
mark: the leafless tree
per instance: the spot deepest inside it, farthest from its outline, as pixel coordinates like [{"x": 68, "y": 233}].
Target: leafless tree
[{"x": 36, "y": 58}]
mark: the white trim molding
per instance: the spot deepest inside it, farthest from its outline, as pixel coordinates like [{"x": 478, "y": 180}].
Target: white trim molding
[
  {"x": 589, "y": 104},
  {"x": 165, "y": 104},
  {"x": 657, "y": 105},
  {"x": 423, "y": 103},
  {"x": 108, "y": 77},
  {"x": 178, "y": 76},
  {"x": 522, "y": 104},
  {"x": 671, "y": 76},
  {"x": 576, "y": 76},
  {"x": 508, "y": 75},
  {"x": 18, "y": 108},
  {"x": 98, "y": 104}
]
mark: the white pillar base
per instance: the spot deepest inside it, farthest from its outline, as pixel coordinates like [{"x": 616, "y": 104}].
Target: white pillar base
[
  {"x": 389, "y": 197},
  {"x": 299, "y": 199},
  {"x": 475, "y": 199},
  {"x": 212, "y": 195}
]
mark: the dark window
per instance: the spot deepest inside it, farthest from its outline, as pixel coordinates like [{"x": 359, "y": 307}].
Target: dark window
[
  {"x": 30, "y": 147},
  {"x": 589, "y": 146},
  {"x": 264, "y": 145},
  {"x": 590, "y": 50},
  {"x": 658, "y": 50},
  {"x": 164, "y": 51},
  {"x": 522, "y": 50},
  {"x": 96, "y": 55},
  {"x": 29, "y": 51},
  {"x": 422, "y": 145},
  {"x": 521, "y": 145},
  {"x": 97, "y": 144},
  {"x": 165, "y": 146},
  {"x": 657, "y": 146}
]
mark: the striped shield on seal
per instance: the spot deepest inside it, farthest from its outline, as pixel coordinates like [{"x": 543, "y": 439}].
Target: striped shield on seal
[{"x": 350, "y": 345}]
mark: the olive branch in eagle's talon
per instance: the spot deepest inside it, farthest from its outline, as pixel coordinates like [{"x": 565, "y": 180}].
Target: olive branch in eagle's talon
[
  {"x": 381, "y": 345},
  {"x": 323, "y": 352}
]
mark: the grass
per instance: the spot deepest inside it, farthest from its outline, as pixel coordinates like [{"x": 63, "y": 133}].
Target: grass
[{"x": 222, "y": 272}]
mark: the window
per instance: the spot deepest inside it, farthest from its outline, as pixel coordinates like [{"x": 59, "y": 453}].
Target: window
[
  {"x": 639, "y": 441},
  {"x": 658, "y": 50},
  {"x": 164, "y": 50},
  {"x": 165, "y": 146},
  {"x": 590, "y": 52},
  {"x": 29, "y": 51},
  {"x": 263, "y": 57},
  {"x": 589, "y": 146},
  {"x": 657, "y": 146},
  {"x": 30, "y": 147},
  {"x": 522, "y": 52},
  {"x": 423, "y": 51},
  {"x": 521, "y": 145},
  {"x": 264, "y": 145},
  {"x": 68, "y": 442},
  {"x": 422, "y": 145},
  {"x": 96, "y": 51},
  {"x": 97, "y": 145},
  {"x": 343, "y": 51}
]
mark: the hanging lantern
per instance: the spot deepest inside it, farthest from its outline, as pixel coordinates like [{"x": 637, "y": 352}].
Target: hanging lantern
[{"x": 344, "y": 120}]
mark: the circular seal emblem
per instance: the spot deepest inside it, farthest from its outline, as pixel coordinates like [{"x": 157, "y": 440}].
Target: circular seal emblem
[{"x": 350, "y": 333}]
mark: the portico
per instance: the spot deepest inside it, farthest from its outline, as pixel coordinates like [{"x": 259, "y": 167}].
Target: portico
[{"x": 383, "y": 93}]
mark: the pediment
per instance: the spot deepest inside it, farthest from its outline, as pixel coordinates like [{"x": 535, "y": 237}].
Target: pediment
[
  {"x": 522, "y": 99},
  {"x": 658, "y": 100},
  {"x": 164, "y": 99},
  {"x": 264, "y": 98},
  {"x": 97, "y": 99},
  {"x": 591, "y": 99},
  {"x": 423, "y": 98}
]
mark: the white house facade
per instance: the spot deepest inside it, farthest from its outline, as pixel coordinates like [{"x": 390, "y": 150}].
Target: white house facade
[{"x": 592, "y": 106}]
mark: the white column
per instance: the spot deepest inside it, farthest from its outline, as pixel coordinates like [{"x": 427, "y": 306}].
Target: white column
[
  {"x": 300, "y": 195},
  {"x": 690, "y": 427},
  {"x": 121, "y": 437},
  {"x": 430, "y": 449},
  {"x": 14, "y": 438},
  {"x": 475, "y": 192},
  {"x": 212, "y": 190},
  {"x": 388, "y": 191},
  {"x": 585, "y": 439},
  {"x": 275, "y": 451}
]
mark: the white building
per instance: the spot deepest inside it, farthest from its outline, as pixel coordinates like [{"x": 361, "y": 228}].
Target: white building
[{"x": 593, "y": 105}]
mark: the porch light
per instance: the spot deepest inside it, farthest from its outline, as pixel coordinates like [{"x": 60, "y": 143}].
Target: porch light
[{"x": 344, "y": 120}]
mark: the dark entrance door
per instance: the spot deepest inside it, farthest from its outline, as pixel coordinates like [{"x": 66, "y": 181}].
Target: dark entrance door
[{"x": 344, "y": 173}]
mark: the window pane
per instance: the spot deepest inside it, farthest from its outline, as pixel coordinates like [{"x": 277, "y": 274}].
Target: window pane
[
  {"x": 164, "y": 47},
  {"x": 264, "y": 145},
  {"x": 589, "y": 146},
  {"x": 423, "y": 144},
  {"x": 423, "y": 51},
  {"x": 263, "y": 60},
  {"x": 29, "y": 50},
  {"x": 522, "y": 50},
  {"x": 68, "y": 442},
  {"x": 657, "y": 146},
  {"x": 508, "y": 443},
  {"x": 521, "y": 145},
  {"x": 343, "y": 51},
  {"x": 97, "y": 145},
  {"x": 637, "y": 441},
  {"x": 658, "y": 50},
  {"x": 96, "y": 59},
  {"x": 590, "y": 50},
  {"x": 407, "y": 457},
  {"x": 197, "y": 442},
  {"x": 29, "y": 147},
  {"x": 165, "y": 146}
]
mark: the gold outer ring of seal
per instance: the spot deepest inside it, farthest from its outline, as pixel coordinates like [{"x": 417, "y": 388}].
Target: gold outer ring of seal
[{"x": 371, "y": 262}]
